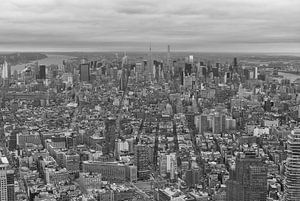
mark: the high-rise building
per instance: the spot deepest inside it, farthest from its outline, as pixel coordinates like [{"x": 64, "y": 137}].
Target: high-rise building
[
  {"x": 188, "y": 69},
  {"x": 150, "y": 63},
  {"x": 42, "y": 72},
  {"x": 168, "y": 70},
  {"x": 217, "y": 124},
  {"x": 192, "y": 177},
  {"x": 123, "y": 79},
  {"x": 248, "y": 180},
  {"x": 7, "y": 192},
  {"x": 292, "y": 182},
  {"x": 3, "y": 179},
  {"x": 256, "y": 73},
  {"x": 10, "y": 178},
  {"x": 215, "y": 71},
  {"x": 235, "y": 61},
  {"x": 5, "y": 71},
  {"x": 84, "y": 70},
  {"x": 142, "y": 161},
  {"x": 110, "y": 135},
  {"x": 203, "y": 124}
]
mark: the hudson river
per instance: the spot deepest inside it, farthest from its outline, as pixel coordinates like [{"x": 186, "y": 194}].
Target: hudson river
[{"x": 51, "y": 59}]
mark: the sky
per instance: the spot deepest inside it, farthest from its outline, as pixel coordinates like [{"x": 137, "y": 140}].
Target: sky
[{"x": 130, "y": 25}]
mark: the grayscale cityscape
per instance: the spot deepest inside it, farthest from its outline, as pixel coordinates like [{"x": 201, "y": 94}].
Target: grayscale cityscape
[{"x": 141, "y": 100}]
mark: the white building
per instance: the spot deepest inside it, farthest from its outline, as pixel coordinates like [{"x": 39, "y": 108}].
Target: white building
[
  {"x": 3, "y": 179},
  {"x": 5, "y": 71}
]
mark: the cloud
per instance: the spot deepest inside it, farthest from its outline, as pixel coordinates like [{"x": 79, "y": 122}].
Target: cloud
[{"x": 227, "y": 25}]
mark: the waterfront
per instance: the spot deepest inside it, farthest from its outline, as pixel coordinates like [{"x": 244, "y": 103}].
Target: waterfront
[
  {"x": 289, "y": 76},
  {"x": 51, "y": 59}
]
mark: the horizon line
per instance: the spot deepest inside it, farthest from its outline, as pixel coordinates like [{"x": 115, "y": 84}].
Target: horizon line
[{"x": 144, "y": 51}]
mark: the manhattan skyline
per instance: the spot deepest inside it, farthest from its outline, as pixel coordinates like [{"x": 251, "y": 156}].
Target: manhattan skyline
[{"x": 130, "y": 25}]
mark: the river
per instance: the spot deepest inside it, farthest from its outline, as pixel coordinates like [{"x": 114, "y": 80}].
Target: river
[
  {"x": 290, "y": 76},
  {"x": 51, "y": 59}
]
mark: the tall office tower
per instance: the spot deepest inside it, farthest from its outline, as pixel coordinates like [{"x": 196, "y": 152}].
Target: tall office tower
[
  {"x": 168, "y": 69},
  {"x": 256, "y": 73},
  {"x": 217, "y": 124},
  {"x": 42, "y": 72},
  {"x": 10, "y": 178},
  {"x": 142, "y": 161},
  {"x": 150, "y": 63},
  {"x": 110, "y": 135},
  {"x": 235, "y": 61},
  {"x": 203, "y": 124},
  {"x": 187, "y": 69},
  {"x": 3, "y": 179},
  {"x": 84, "y": 70},
  {"x": 169, "y": 57},
  {"x": 6, "y": 73},
  {"x": 215, "y": 71},
  {"x": 292, "y": 182},
  {"x": 123, "y": 80},
  {"x": 223, "y": 122},
  {"x": 192, "y": 177},
  {"x": 248, "y": 180},
  {"x": 235, "y": 65},
  {"x": 167, "y": 163}
]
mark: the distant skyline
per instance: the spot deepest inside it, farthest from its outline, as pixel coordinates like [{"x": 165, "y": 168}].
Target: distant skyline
[{"x": 130, "y": 25}]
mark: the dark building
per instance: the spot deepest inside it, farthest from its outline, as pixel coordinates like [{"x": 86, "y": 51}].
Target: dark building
[
  {"x": 142, "y": 161},
  {"x": 93, "y": 64},
  {"x": 12, "y": 145},
  {"x": 268, "y": 105},
  {"x": 192, "y": 177},
  {"x": 10, "y": 176},
  {"x": 84, "y": 70},
  {"x": 215, "y": 71},
  {"x": 248, "y": 181},
  {"x": 188, "y": 69},
  {"x": 103, "y": 70},
  {"x": 247, "y": 74},
  {"x": 123, "y": 80},
  {"x": 204, "y": 71},
  {"x": 203, "y": 125},
  {"x": 42, "y": 72},
  {"x": 110, "y": 135},
  {"x": 235, "y": 62}
]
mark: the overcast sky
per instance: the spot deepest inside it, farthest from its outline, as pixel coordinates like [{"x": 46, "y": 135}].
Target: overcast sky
[{"x": 129, "y": 25}]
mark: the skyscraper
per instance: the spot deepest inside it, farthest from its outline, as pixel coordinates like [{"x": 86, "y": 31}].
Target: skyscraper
[
  {"x": 203, "y": 124},
  {"x": 248, "y": 180},
  {"x": 10, "y": 178},
  {"x": 217, "y": 124},
  {"x": 110, "y": 135},
  {"x": 142, "y": 161},
  {"x": 42, "y": 72},
  {"x": 292, "y": 182},
  {"x": 5, "y": 70},
  {"x": 150, "y": 63},
  {"x": 84, "y": 70},
  {"x": 6, "y": 181}
]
